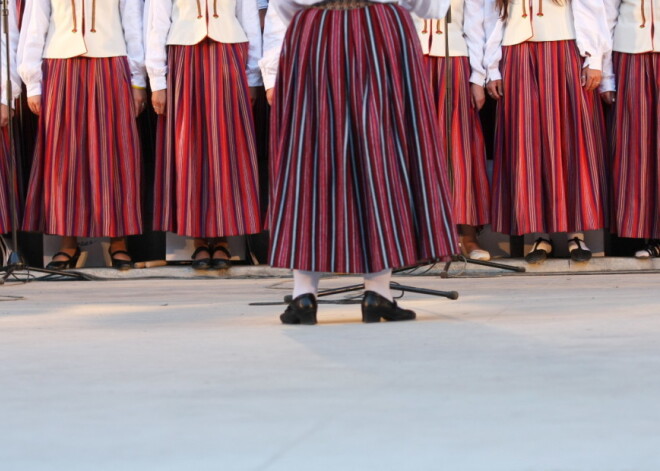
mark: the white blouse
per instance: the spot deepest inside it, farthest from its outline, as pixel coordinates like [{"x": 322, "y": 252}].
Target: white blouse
[
  {"x": 633, "y": 26},
  {"x": 590, "y": 34},
  {"x": 38, "y": 29},
  {"x": 280, "y": 13},
  {"x": 13, "y": 45},
  {"x": 422, "y": 8},
  {"x": 158, "y": 19},
  {"x": 467, "y": 36}
]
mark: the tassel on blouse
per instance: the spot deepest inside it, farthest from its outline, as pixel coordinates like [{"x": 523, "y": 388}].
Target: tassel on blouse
[
  {"x": 426, "y": 27},
  {"x": 75, "y": 19},
  {"x": 643, "y": 25},
  {"x": 540, "y": 13},
  {"x": 199, "y": 9},
  {"x": 215, "y": 8},
  {"x": 438, "y": 29},
  {"x": 93, "y": 30},
  {"x": 524, "y": 3}
]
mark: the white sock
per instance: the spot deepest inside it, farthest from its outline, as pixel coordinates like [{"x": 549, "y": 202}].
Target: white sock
[
  {"x": 379, "y": 283},
  {"x": 305, "y": 282},
  {"x": 541, "y": 245},
  {"x": 572, "y": 245}
]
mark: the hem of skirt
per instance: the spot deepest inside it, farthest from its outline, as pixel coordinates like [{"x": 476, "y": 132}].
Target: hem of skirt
[
  {"x": 407, "y": 265},
  {"x": 87, "y": 235},
  {"x": 472, "y": 223},
  {"x": 209, "y": 236},
  {"x": 628, "y": 235},
  {"x": 543, "y": 230}
]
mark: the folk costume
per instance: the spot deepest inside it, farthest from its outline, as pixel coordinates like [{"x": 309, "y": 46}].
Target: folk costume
[
  {"x": 5, "y": 155},
  {"x": 358, "y": 176},
  {"x": 467, "y": 163},
  {"x": 83, "y": 57},
  {"x": 550, "y": 160},
  {"x": 636, "y": 119},
  {"x": 205, "y": 54}
]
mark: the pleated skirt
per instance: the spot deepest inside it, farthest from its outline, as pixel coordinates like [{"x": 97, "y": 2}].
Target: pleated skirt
[
  {"x": 550, "y": 158},
  {"x": 5, "y": 184},
  {"x": 467, "y": 166},
  {"x": 85, "y": 178},
  {"x": 358, "y": 177},
  {"x": 636, "y": 146},
  {"x": 207, "y": 182}
]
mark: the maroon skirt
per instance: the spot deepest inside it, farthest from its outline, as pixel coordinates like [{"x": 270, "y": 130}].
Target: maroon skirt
[
  {"x": 5, "y": 179},
  {"x": 550, "y": 158},
  {"x": 358, "y": 176},
  {"x": 467, "y": 165},
  {"x": 636, "y": 146},
  {"x": 206, "y": 158},
  {"x": 85, "y": 178}
]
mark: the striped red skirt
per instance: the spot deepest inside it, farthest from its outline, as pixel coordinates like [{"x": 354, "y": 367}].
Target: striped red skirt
[
  {"x": 85, "y": 178},
  {"x": 206, "y": 157},
  {"x": 636, "y": 146},
  {"x": 358, "y": 176},
  {"x": 5, "y": 179},
  {"x": 550, "y": 158},
  {"x": 467, "y": 165}
]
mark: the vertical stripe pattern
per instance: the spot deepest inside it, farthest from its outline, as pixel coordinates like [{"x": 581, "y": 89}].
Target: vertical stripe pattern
[
  {"x": 550, "y": 158},
  {"x": 636, "y": 146},
  {"x": 358, "y": 176},
  {"x": 86, "y": 171},
  {"x": 206, "y": 170},
  {"x": 5, "y": 196},
  {"x": 469, "y": 178}
]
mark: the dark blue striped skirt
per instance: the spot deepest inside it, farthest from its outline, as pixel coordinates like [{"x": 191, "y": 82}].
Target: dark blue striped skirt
[{"x": 358, "y": 175}]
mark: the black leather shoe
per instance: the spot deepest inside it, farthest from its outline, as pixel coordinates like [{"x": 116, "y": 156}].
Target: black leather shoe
[
  {"x": 70, "y": 262},
  {"x": 118, "y": 263},
  {"x": 537, "y": 255},
  {"x": 580, "y": 254},
  {"x": 375, "y": 307},
  {"x": 220, "y": 263},
  {"x": 302, "y": 310},
  {"x": 201, "y": 263}
]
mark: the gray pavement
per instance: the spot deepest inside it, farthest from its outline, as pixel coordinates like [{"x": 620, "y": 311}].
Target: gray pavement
[{"x": 521, "y": 373}]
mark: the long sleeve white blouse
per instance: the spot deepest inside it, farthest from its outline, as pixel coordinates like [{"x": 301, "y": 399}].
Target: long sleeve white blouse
[
  {"x": 36, "y": 23},
  {"x": 280, "y": 13},
  {"x": 592, "y": 37},
  {"x": 13, "y": 45},
  {"x": 467, "y": 36},
  {"x": 608, "y": 83},
  {"x": 159, "y": 21},
  {"x": 633, "y": 27}
]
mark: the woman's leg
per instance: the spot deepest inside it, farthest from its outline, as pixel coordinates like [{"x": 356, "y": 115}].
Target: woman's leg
[
  {"x": 305, "y": 282},
  {"x": 379, "y": 283},
  {"x": 470, "y": 244},
  {"x": 69, "y": 246}
]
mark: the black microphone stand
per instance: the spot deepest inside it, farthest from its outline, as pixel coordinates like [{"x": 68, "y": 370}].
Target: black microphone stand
[{"x": 16, "y": 262}]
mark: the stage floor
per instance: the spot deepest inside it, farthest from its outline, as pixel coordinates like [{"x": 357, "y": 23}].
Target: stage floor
[{"x": 521, "y": 373}]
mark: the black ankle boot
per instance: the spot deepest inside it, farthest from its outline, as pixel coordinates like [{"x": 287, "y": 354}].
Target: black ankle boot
[
  {"x": 301, "y": 310},
  {"x": 375, "y": 307}
]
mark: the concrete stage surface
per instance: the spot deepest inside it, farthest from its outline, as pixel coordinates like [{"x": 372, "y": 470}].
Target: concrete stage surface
[{"x": 520, "y": 374}]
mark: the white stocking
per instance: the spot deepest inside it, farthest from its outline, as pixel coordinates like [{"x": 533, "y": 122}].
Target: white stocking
[
  {"x": 305, "y": 282},
  {"x": 379, "y": 283}
]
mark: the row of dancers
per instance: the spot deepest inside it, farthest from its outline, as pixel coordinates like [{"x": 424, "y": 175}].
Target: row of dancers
[{"x": 359, "y": 178}]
